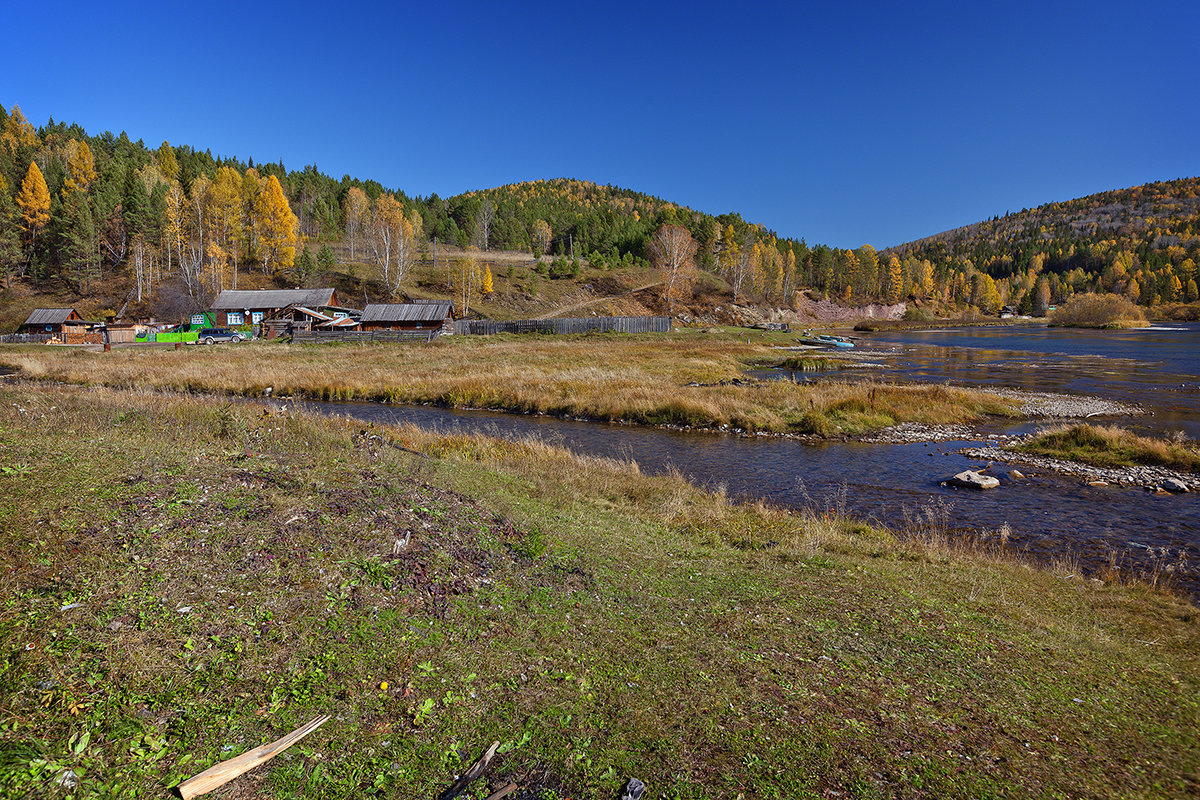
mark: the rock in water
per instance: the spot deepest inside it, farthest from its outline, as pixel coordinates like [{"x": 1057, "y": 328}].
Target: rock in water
[
  {"x": 1016, "y": 474},
  {"x": 969, "y": 479},
  {"x": 1175, "y": 485}
]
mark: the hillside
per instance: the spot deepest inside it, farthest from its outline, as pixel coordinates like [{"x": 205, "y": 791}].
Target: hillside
[
  {"x": 109, "y": 224},
  {"x": 1142, "y": 242}
]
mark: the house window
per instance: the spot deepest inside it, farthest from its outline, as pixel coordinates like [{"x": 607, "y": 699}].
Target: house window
[
  {"x": 256, "y": 317},
  {"x": 235, "y": 318}
]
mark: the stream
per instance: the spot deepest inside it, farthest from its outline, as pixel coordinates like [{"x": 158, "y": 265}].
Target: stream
[{"x": 1045, "y": 515}]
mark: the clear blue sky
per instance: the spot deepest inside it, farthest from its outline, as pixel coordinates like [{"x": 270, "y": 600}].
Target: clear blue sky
[{"x": 845, "y": 123}]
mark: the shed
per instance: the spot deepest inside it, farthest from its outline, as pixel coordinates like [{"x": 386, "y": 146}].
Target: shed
[
  {"x": 50, "y": 320},
  {"x": 235, "y": 307},
  {"x": 415, "y": 316}
]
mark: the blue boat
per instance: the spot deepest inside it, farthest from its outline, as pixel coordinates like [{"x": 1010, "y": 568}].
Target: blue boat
[{"x": 828, "y": 340}]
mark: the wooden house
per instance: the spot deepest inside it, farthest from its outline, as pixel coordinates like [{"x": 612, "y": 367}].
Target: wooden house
[
  {"x": 234, "y": 307},
  {"x": 421, "y": 315},
  {"x": 50, "y": 320}
]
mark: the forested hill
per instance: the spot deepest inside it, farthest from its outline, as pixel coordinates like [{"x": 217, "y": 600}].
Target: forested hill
[
  {"x": 104, "y": 214},
  {"x": 1143, "y": 242}
]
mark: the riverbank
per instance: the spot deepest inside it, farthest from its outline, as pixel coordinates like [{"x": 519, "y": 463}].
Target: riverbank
[
  {"x": 193, "y": 578},
  {"x": 686, "y": 380}
]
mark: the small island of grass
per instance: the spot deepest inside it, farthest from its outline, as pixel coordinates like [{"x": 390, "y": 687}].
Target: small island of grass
[
  {"x": 1109, "y": 311},
  {"x": 1109, "y": 446}
]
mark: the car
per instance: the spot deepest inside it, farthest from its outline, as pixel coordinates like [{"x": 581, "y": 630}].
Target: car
[{"x": 214, "y": 335}]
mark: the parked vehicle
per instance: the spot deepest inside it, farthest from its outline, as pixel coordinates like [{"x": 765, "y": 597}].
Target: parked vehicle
[{"x": 214, "y": 335}]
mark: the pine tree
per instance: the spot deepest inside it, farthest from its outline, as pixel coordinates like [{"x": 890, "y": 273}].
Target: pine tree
[{"x": 10, "y": 241}]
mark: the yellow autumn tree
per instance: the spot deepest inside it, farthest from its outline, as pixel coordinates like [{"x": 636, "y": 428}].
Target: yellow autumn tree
[
  {"x": 18, "y": 133},
  {"x": 487, "y": 287},
  {"x": 277, "y": 227},
  {"x": 541, "y": 232},
  {"x": 393, "y": 241},
  {"x": 34, "y": 202},
  {"x": 224, "y": 217},
  {"x": 168, "y": 165},
  {"x": 81, "y": 167},
  {"x": 895, "y": 280}
]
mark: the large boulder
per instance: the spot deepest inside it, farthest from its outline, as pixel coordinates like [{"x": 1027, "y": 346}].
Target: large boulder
[
  {"x": 1175, "y": 485},
  {"x": 970, "y": 479}
]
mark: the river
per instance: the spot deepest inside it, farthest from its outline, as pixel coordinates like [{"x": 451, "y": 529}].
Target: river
[{"x": 1045, "y": 515}]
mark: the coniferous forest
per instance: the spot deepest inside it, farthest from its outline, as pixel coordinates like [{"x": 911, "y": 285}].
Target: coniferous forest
[{"x": 87, "y": 211}]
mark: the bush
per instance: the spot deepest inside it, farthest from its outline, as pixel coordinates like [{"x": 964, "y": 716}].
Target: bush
[
  {"x": 915, "y": 313},
  {"x": 1098, "y": 311}
]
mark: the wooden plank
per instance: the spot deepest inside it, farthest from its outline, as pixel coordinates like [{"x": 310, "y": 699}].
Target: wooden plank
[{"x": 220, "y": 774}]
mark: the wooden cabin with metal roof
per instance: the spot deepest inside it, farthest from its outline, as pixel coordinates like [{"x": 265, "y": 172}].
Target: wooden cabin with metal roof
[
  {"x": 419, "y": 315},
  {"x": 50, "y": 320},
  {"x": 236, "y": 307}
]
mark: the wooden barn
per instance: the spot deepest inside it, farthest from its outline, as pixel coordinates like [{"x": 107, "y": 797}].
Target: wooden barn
[
  {"x": 234, "y": 308},
  {"x": 421, "y": 315},
  {"x": 50, "y": 320}
]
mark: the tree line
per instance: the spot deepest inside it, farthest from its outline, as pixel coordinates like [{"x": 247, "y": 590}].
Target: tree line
[{"x": 84, "y": 209}]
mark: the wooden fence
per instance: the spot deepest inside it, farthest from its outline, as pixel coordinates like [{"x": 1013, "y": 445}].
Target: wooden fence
[
  {"x": 487, "y": 327},
  {"x": 319, "y": 337},
  {"x": 28, "y": 338}
]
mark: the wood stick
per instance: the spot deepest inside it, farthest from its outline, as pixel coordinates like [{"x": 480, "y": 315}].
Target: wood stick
[
  {"x": 460, "y": 785},
  {"x": 220, "y": 774},
  {"x": 503, "y": 791}
]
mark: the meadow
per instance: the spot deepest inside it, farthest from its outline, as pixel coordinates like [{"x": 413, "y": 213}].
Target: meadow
[
  {"x": 185, "y": 580},
  {"x": 686, "y": 378}
]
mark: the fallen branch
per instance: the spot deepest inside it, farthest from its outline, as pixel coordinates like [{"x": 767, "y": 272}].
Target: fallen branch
[
  {"x": 464, "y": 780},
  {"x": 220, "y": 774}
]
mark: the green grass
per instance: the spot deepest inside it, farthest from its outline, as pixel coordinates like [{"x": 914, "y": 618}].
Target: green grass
[
  {"x": 1107, "y": 446},
  {"x": 235, "y": 577}
]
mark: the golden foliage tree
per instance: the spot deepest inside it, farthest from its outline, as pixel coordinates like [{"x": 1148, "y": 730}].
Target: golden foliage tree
[
  {"x": 18, "y": 133},
  {"x": 223, "y": 211},
  {"x": 487, "y": 287},
  {"x": 168, "y": 165},
  {"x": 81, "y": 167},
  {"x": 33, "y": 200},
  {"x": 673, "y": 250},
  {"x": 277, "y": 227},
  {"x": 393, "y": 241},
  {"x": 541, "y": 231},
  {"x": 895, "y": 280}
]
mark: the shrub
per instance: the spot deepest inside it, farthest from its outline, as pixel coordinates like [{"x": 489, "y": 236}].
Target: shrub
[{"x": 1098, "y": 311}]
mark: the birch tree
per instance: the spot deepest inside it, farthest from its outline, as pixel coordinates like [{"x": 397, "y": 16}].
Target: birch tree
[{"x": 673, "y": 250}]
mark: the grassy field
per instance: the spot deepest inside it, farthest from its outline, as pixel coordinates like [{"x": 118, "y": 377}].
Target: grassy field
[
  {"x": 637, "y": 379},
  {"x": 184, "y": 579},
  {"x": 1108, "y": 446}
]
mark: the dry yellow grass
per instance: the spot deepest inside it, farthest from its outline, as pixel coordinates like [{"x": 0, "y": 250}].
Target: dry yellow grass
[{"x": 628, "y": 378}]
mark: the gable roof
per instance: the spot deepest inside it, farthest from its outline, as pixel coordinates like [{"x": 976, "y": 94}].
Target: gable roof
[
  {"x": 428, "y": 311},
  {"x": 236, "y": 300},
  {"x": 50, "y": 316}
]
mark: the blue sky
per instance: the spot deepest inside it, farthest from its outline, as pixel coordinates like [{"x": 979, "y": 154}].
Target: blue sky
[{"x": 844, "y": 123}]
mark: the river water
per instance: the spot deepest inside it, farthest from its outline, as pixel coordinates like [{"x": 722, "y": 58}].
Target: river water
[{"x": 1045, "y": 515}]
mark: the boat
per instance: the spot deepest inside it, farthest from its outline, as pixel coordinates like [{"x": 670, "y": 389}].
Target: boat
[{"x": 825, "y": 340}]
